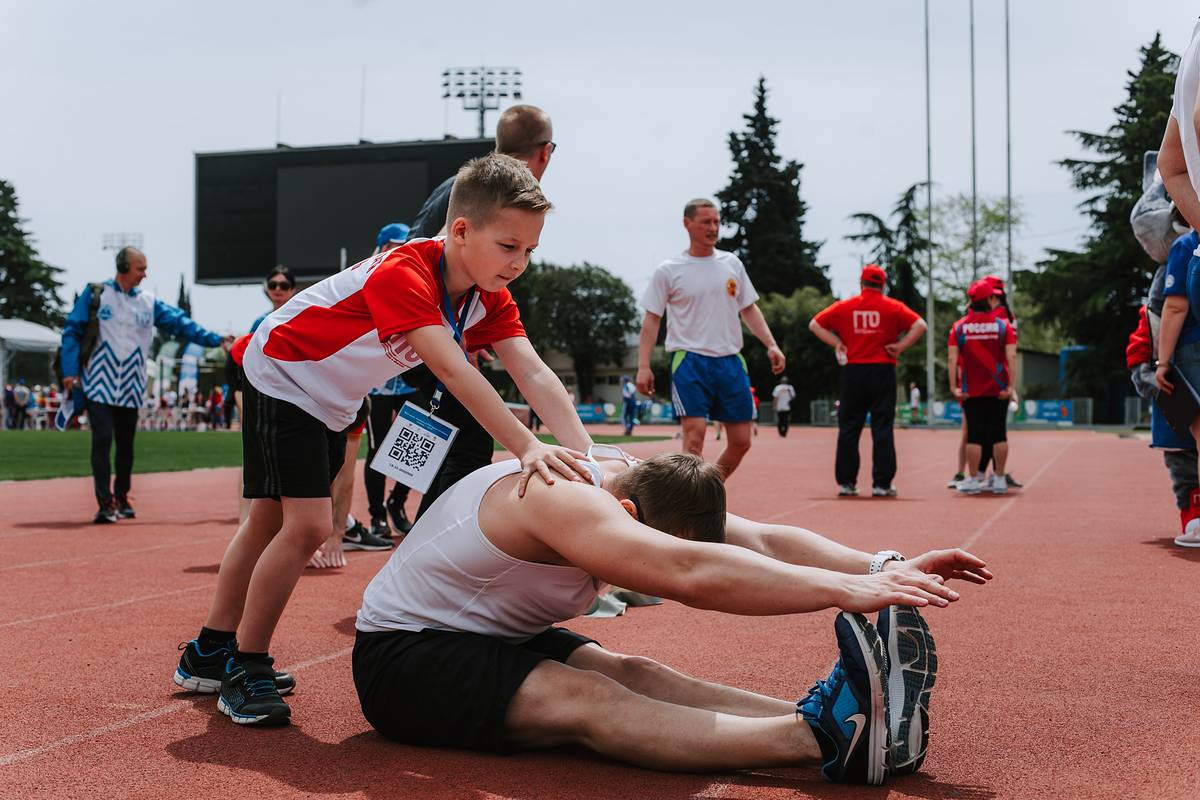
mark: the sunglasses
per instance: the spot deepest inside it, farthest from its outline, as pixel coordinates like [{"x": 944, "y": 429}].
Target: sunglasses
[
  {"x": 553, "y": 146},
  {"x": 278, "y": 285}
]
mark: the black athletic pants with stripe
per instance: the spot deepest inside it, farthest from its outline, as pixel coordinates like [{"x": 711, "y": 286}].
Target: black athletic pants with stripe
[
  {"x": 867, "y": 388},
  {"x": 109, "y": 423},
  {"x": 383, "y": 411}
]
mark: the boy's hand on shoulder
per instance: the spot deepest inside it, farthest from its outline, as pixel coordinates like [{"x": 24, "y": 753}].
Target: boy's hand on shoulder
[{"x": 541, "y": 458}]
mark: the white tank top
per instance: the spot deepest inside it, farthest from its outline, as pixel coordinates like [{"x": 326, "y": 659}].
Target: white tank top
[
  {"x": 1187, "y": 85},
  {"x": 446, "y": 575}
]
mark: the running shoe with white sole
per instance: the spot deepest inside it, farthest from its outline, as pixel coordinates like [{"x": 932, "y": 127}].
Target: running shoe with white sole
[
  {"x": 1190, "y": 536},
  {"x": 359, "y": 538},
  {"x": 202, "y": 672},
  {"x": 847, "y": 490},
  {"x": 911, "y": 673},
  {"x": 248, "y": 694},
  {"x": 997, "y": 484},
  {"x": 848, "y": 710},
  {"x": 883, "y": 491},
  {"x": 955, "y": 481},
  {"x": 971, "y": 485}
]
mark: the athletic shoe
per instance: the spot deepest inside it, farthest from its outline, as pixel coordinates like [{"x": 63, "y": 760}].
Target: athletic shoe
[
  {"x": 883, "y": 491},
  {"x": 380, "y": 528},
  {"x": 106, "y": 515},
  {"x": 848, "y": 710},
  {"x": 400, "y": 521},
  {"x": 359, "y": 538},
  {"x": 248, "y": 694},
  {"x": 847, "y": 490},
  {"x": 997, "y": 485},
  {"x": 1190, "y": 536},
  {"x": 971, "y": 485},
  {"x": 911, "y": 673},
  {"x": 1012, "y": 482},
  {"x": 124, "y": 510},
  {"x": 955, "y": 481},
  {"x": 202, "y": 672}
]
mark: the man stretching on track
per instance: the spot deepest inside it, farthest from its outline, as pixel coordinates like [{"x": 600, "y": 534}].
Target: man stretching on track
[{"x": 456, "y": 644}]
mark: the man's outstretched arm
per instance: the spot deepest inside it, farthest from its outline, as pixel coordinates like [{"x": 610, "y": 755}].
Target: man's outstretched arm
[{"x": 591, "y": 530}]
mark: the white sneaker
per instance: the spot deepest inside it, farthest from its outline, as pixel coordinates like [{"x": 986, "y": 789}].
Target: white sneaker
[
  {"x": 971, "y": 485},
  {"x": 998, "y": 484},
  {"x": 1190, "y": 536}
]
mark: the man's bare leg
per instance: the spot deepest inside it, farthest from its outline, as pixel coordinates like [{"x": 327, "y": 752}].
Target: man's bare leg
[
  {"x": 694, "y": 429},
  {"x": 241, "y": 555},
  {"x": 305, "y": 526},
  {"x": 1000, "y": 456},
  {"x": 331, "y": 553},
  {"x": 962, "y": 450},
  {"x": 651, "y": 679},
  {"x": 737, "y": 444},
  {"x": 558, "y": 704}
]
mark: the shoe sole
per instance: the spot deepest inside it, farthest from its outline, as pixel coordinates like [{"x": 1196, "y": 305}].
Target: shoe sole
[
  {"x": 1187, "y": 544},
  {"x": 279, "y": 717},
  {"x": 211, "y": 686},
  {"x": 912, "y": 672},
  {"x": 969, "y": 491},
  {"x": 877, "y": 743},
  {"x": 360, "y": 546}
]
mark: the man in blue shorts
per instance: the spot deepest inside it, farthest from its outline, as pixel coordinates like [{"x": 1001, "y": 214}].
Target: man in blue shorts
[{"x": 709, "y": 295}]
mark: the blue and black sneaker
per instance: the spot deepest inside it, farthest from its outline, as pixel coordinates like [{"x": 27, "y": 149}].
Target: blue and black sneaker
[
  {"x": 202, "y": 672},
  {"x": 912, "y": 671},
  {"x": 848, "y": 710},
  {"x": 248, "y": 694}
]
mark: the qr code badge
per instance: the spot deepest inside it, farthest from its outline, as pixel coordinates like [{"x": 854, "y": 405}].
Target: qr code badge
[{"x": 412, "y": 449}]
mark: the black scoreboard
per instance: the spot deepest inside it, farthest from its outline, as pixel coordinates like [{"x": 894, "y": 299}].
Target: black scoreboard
[{"x": 303, "y": 206}]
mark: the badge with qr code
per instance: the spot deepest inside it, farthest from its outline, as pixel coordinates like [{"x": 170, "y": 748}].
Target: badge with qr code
[{"x": 414, "y": 448}]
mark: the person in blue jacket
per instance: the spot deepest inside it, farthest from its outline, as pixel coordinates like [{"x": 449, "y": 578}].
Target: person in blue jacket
[{"x": 113, "y": 377}]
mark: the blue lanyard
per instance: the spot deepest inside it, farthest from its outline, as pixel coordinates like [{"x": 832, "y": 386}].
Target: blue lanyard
[{"x": 456, "y": 324}]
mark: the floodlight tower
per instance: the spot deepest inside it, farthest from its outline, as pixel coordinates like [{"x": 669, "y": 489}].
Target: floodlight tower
[{"x": 481, "y": 88}]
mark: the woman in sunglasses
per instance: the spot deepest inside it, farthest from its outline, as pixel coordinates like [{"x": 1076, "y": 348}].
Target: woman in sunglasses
[{"x": 279, "y": 288}]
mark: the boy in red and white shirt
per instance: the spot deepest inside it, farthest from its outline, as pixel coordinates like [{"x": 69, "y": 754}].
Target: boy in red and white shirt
[
  {"x": 309, "y": 365},
  {"x": 985, "y": 347}
]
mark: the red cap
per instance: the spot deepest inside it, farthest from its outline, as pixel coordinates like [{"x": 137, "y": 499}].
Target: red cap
[
  {"x": 982, "y": 289},
  {"x": 873, "y": 273},
  {"x": 996, "y": 281}
]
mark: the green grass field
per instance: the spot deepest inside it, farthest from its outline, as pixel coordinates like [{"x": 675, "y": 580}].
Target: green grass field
[{"x": 30, "y": 455}]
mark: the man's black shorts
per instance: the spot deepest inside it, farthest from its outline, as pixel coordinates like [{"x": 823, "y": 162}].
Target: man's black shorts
[
  {"x": 987, "y": 420},
  {"x": 286, "y": 452},
  {"x": 448, "y": 689}
]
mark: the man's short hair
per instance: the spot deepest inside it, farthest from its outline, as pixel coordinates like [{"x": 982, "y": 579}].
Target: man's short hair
[
  {"x": 521, "y": 130},
  {"x": 695, "y": 204},
  {"x": 677, "y": 493},
  {"x": 488, "y": 184}
]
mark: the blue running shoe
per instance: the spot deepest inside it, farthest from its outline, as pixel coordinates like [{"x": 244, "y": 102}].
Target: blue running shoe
[
  {"x": 912, "y": 671},
  {"x": 848, "y": 710},
  {"x": 249, "y": 697},
  {"x": 202, "y": 672}
]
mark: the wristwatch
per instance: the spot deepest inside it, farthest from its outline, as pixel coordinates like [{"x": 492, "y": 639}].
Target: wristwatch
[{"x": 881, "y": 558}]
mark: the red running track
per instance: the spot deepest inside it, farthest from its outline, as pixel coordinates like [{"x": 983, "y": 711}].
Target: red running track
[{"x": 1073, "y": 675}]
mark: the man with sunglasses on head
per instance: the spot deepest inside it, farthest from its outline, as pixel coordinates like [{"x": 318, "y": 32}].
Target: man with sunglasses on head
[
  {"x": 458, "y": 643},
  {"x": 525, "y": 133}
]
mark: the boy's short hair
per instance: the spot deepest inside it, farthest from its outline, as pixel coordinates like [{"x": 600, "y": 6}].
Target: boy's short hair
[
  {"x": 695, "y": 204},
  {"x": 490, "y": 183},
  {"x": 677, "y": 493}
]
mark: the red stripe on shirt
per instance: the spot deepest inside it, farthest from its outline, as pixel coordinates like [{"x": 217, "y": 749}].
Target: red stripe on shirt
[{"x": 317, "y": 332}]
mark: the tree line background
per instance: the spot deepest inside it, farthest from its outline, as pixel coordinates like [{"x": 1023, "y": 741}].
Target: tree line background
[{"x": 1088, "y": 296}]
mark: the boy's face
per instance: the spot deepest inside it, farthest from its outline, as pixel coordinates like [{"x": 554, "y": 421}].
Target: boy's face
[{"x": 496, "y": 254}]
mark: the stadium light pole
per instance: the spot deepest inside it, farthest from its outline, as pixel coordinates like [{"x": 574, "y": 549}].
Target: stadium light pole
[
  {"x": 481, "y": 88},
  {"x": 974, "y": 192},
  {"x": 1008, "y": 149},
  {"x": 931, "y": 340}
]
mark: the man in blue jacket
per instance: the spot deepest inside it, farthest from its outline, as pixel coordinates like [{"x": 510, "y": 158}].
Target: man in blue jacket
[{"x": 113, "y": 374}]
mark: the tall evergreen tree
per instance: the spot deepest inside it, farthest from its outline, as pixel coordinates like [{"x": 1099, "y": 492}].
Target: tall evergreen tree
[
  {"x": 185, "y": 298},
  {"x": 1093, "y": 294},
  {"x": 900, "y": 250},
  {"x": 762, "y": 204},
  {"x": 28, "y": 285}
]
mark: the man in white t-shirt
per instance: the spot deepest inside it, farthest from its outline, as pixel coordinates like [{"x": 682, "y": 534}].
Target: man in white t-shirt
[
  {"x": 783, "y": 395},
  {"x": 709, "y": 295}
]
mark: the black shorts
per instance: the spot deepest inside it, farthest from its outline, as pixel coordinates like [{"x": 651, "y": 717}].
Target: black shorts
[
  {"x": 286, "y": 452},
  {"x": 987, "y": 420},
  {"x": 448, "y": 689}
]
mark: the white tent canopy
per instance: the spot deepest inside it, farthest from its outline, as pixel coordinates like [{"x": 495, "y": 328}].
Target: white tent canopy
[{"x": 20, "y": 334}]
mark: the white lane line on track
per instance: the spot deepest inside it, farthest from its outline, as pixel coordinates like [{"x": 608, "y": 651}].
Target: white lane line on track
[
  {"x": 105, "y": 606},
  {"x": 138, "y": 719},
  {"x": 987, "y": 523},
  {"x": 112, "y": 554}
]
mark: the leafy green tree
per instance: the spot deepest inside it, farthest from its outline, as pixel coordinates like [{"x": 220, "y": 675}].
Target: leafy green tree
[
  {"x": 583, "y": 311},
  {"x": 762, "y": 205},
  {"x": 1092, "y": 294},
  {"x": 28, "y": 285},
  {"x": 901, "y": 250},
  {"x": 184, "y": 302},
  {"x": 955, "y": 267},
  {"x": 812, "y": 367}
]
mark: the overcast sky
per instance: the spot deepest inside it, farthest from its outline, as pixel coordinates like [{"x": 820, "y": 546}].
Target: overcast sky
[{"x": 105, "y": 105}]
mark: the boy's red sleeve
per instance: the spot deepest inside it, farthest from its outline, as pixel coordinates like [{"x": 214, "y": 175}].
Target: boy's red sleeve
[
  {"x": 1139, "y": 350},
  {"x": 401, "y": 295},
  {"x": 238, "y": 351},
  {"x": 501, "y": 321}
]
